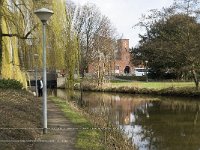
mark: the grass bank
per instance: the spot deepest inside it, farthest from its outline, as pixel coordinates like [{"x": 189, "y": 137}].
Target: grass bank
[
  {"x": 86, "y": 139},
  {"x": 184, "y": 89},
  {"x": 20, "y": 117},
  {"x": 153, "y": 85},
  {"x": 95, "y": 132}
]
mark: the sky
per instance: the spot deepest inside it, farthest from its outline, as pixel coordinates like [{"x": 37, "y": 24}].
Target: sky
[{"x": 124, "y": 14}]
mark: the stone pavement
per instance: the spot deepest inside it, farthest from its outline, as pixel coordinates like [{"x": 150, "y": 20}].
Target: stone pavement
[{"x": 57, "y": 138}]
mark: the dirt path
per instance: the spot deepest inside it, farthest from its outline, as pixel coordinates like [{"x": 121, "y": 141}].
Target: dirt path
[{"x": 57, "y": 138}]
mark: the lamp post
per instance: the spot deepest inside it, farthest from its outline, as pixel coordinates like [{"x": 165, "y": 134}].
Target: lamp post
[
  {"x": 44, "y": 14},
  {"x": 146, "y": 62},
  {"x": 36, "y": 63}
]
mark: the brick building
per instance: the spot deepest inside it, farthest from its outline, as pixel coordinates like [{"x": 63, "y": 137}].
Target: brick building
[
  {"x": 123, "y": 63},
  {"x": 120, "y": 65}
]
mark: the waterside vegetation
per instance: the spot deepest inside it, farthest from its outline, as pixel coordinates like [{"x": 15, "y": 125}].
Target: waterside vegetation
[
  {"x": 183, "y": 89},
  {"x": 84, "y": 137},
  {"x": 95, "y": 132}
]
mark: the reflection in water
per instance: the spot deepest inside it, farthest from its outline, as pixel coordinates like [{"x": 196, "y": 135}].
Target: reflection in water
[{"x": 151, "y": 123}]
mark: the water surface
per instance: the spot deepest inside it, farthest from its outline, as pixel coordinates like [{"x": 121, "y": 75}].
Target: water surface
[{"x": 152, "y": 123}]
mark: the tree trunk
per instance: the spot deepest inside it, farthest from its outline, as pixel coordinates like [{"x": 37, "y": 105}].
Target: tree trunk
[
  {"x": 1, "y": 43},
  {"x": 1, "y": 3},
  {"x": 196, "y": 81}
]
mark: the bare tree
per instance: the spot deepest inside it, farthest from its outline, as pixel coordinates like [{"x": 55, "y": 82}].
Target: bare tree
[{"x": 94, "y": 31}]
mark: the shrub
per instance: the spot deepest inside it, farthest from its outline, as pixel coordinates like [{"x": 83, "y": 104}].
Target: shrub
[
  {"x": 10, "y": 84},
  {"x": 137, "y": 78}
]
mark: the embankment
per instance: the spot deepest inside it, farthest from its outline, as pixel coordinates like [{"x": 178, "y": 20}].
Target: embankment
[
  {"x": 171, "y": 91},
  {"x": 20, "y": 119}
]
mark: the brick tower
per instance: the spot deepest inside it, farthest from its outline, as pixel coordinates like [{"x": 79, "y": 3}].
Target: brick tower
[{"x": 123, "y": 63}]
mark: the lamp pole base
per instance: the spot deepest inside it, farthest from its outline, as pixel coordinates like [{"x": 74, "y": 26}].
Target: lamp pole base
[{"x": 44, "y": 130}]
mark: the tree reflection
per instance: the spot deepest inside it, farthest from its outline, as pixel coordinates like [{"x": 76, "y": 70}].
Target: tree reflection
[
  {"x": 151, "y": 122},
  {"x": 170, "y": 125}
]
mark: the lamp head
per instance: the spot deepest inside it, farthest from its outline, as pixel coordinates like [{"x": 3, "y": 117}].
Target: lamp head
[{"x": 44, "y": 14}]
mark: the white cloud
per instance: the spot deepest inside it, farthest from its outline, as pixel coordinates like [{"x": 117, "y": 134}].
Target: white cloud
[{"x": 124, "y": 14}]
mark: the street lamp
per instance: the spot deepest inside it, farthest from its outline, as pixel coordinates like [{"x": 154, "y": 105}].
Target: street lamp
[
  {"x": 44, "y": 14},
  {"x": 36, "y": 63},
  {"x": 146, "y": 62}
]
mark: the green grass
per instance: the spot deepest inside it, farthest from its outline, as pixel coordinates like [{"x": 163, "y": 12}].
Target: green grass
[
  {"x": 86, "y": 139},
  {"x": 154, "y": 85}
]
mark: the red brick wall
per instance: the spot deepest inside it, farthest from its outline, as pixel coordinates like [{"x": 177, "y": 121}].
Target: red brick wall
[{"x": 124, "y": 56}]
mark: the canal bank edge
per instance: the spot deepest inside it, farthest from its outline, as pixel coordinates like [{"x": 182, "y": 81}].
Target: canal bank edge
[
  {"x": 92, "y": 133},
  {"x": 171, "y": 91},
  {"x": 84, "y": 137}
]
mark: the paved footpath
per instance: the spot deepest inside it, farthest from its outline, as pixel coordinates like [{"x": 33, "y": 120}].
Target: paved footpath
[{"x": 57, "y": 139}]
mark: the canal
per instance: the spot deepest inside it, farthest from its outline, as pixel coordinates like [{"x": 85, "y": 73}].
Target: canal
[{"x": 152, "y": 123}]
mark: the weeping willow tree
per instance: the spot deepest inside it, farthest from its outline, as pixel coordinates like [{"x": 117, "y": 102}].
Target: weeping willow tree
[
  {"x": 62, "y": 44},
  {"x": 64, "y": 47},
  {"x": 55, "y": 45},
  {"x": 15, "y": 30},
  {"x": 20, "y": 38}
]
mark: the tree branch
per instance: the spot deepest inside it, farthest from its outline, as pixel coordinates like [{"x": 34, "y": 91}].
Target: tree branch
[{"x": 19, "y": 36}]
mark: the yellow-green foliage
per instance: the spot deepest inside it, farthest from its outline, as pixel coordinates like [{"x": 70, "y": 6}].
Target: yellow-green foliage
[
  {"x": 72, "y": 54},
  {"x": 62, "y": 44},
  {"x": 58, "y": 25},
  {"x": 71, "y": 59},
  {"x": 10, "y": 58},
  {"x": 65, "y": 41}
]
